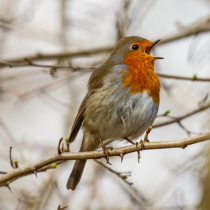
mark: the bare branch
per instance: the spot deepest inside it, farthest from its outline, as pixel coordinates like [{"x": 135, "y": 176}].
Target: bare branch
[
  {"x": 2, "y": 172},
  {"x": 19, "y": 172},
  {"x": 10, "y": 157},
  {"x": 178, "y": 119},
  {"x": 59, "y": 207},
  {"x": 193, "y": 29},
  {"x": 59, "y": 146},
  {"x": 28, "y": 63},
  {"x": 119, "y": 174},
  {"x": 194, "y": 78},
  {"x": 44, "y": 88},
  {"x": 50, "y": 56}
]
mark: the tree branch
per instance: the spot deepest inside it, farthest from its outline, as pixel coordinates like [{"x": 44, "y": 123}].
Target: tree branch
[
  {"x": 178, "y": 119},
  {"x": 194, "y": 78},
  {"x": 50, "y": 56},
  {"x": 192, "y": 29},
  {"x": 28, "y": 63},
  {"x": 195, "y": 28},
  {"x": 121, "y": 175},
  {"x": 19, "y": 172}
]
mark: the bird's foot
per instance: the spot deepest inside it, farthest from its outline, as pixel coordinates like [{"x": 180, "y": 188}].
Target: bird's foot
[
  {"x": 127, "y": 139},
  {"x": 147, "y": 134},
  {"x": 106, "y": 151}
]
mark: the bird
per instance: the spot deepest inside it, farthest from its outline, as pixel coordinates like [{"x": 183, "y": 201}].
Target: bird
[{"x": 122, "y": 100}]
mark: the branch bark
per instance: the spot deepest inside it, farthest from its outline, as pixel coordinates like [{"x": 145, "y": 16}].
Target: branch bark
[{"x": 19, "y": 172}]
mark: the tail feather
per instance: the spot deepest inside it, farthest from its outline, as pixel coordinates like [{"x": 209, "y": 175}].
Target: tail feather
[
  {"x": 76, "y": 174},
  {"x": 89, "y": 143}
]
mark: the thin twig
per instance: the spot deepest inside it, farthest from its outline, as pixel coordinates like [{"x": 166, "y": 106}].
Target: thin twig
[
  {"x": 32, "y": 64},
  {"x": 50, "y": 56},
  {"x": 195, "y": 28},
  {"x": 10, "y": 157},
  {"x": 192, "y": 29},
  {"x": 2, "y": 172},
  {"x": 59, "y": 146},
  {"x": 74, "y": 69},
  {"x": 178, "y": 119},
  {"x": 119, "y": 174},
  {"x": 59, "y": 207},
  {"x": 187, "y": 130},
  {"x": 5, "y": 179},
  {"x": 44, "y": 88},
  {"x": 194, "y": 78},
  {"x": 43, "y": 169}
]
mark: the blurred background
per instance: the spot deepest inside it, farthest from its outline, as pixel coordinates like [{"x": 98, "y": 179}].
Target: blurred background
[{"x": 39, "y": 101}]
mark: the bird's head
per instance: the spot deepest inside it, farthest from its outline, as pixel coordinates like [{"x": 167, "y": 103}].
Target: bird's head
[{"x": 134, "y": 50}]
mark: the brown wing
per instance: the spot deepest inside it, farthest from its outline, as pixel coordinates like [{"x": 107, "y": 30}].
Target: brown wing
[
  {"x": 95, "y": 81},
  {"x": 79, "y": 119}
]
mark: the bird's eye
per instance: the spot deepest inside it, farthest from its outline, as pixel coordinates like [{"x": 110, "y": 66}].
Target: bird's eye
[{"x": 135, "y": 47}]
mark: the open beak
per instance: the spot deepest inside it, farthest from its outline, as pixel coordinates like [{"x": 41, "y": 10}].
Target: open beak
[{"x": 149, "y": 48}]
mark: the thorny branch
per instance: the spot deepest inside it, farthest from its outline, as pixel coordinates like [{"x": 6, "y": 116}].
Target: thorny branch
[{"x": 19, "y": 172}]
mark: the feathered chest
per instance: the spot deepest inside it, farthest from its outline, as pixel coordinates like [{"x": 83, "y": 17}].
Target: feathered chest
[
  {"x": 115, "y": 112},
  {"x": 141, "y": 78}
]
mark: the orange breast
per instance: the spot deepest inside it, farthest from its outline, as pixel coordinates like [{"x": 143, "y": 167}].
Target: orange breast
[{"x": 140, "y": 76}]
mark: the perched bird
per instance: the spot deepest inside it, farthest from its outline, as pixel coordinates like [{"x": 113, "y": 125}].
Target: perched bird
[{"x": 122, "y": 100}]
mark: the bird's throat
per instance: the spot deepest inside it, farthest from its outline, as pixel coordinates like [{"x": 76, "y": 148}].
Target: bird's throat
[{"x": 140, "y": 77}]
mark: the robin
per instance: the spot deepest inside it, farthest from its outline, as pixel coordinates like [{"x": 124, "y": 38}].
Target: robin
[{"x": 122, "y": 100}]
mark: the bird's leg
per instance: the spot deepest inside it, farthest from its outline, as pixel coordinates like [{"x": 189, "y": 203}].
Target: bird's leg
[
  {"x": 105, "y": 150},
  {"x": 147, "y": 134},
  {"x": 126, "y": 138}
]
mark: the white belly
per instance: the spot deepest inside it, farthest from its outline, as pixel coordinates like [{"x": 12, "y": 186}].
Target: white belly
[{"x": 114, "y": 113}]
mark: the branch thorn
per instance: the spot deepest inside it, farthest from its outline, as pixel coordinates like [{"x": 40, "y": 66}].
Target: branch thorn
[
  {"x": 121, "y": 155},
  {"x": 183, "y": 146},
  {"x": 137, "y": 144},
  {"x": 139, "y": 156},
  {"x": 8, "y": 187},
  {"x": 142, "y": 145},
  {"x": 59, "y": 207}
]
